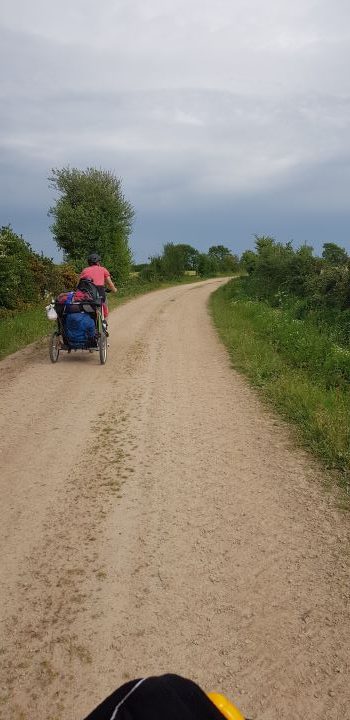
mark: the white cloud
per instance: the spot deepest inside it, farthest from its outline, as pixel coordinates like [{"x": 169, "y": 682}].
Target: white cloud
[{"x": 183, "y": 100}]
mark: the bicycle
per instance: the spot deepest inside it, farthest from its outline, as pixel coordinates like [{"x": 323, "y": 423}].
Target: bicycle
[{"x": 96, "y": 342}]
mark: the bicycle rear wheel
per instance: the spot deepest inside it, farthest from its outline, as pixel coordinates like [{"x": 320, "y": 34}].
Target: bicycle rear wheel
[
  {"x": 103, "y": 347},
  {"x": 54, "y": 349}
]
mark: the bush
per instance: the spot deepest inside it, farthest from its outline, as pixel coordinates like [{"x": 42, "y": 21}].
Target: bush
[
  {"x": 331, "y": 288},
  {"x": 26, "y": 277}
]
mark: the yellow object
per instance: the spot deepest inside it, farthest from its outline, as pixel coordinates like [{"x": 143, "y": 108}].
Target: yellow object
[{"x": 228, "y": 710}]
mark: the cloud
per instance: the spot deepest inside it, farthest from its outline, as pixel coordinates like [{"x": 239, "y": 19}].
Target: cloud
[{"x": 192, "y": 104}]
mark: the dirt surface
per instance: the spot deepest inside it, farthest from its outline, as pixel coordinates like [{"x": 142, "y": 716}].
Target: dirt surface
[{"x": 156, "y": 517}]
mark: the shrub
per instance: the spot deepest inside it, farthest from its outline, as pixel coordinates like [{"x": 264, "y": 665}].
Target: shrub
[{"x": 25, "y": 276}]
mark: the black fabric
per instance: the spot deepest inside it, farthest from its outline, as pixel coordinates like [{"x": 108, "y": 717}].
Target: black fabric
[
  {"x": 77, "y": 307},
  {"x": 167, "y": 697},
  {"x": 102, "y": 292},
  {"x": 89, "y": 287}
]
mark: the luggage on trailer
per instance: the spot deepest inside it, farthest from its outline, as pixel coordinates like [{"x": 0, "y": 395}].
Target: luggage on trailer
[
  {"x": 76, "y": 311},
  {"x": 74, "y": 302},
  {"x": 79, "y": 329}
]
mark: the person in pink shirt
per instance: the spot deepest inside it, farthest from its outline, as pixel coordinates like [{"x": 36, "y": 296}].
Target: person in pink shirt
[{"x": 100, "y": 276}]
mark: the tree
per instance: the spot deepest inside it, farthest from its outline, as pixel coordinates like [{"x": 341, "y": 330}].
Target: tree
[
  {"x": 224, "y": 258},
  {"x": 153, "y": 271},
  {"x": 190, "y": 256},
  {"x": 248, "y": 261},
  {"x": 173, "y": 261},
  {"x": 92, "y": 214},
  {"x": 264, "y": 242},
  {"x": 334, "y": 255},
  {"x": 207, "y": 265}
]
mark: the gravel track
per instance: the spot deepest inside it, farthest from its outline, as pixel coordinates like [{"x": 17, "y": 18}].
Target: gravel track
[{"x": 156, "y": 517}]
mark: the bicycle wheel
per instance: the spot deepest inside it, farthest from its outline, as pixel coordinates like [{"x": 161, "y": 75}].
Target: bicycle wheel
[
  {"x": 54, "y": 348},
  {"x": 102, "y": 346}
]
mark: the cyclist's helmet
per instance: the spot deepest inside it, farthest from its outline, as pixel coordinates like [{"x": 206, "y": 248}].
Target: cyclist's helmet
[{"x": 93, "y": 259}]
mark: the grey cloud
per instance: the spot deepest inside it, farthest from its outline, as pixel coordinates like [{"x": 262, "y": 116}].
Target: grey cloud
[{"x": 193, "y": 104}]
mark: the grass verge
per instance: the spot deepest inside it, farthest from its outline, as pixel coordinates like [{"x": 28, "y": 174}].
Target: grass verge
[
  {"x": 296, "y": 367},
  {"x": 21, "y": 328}
]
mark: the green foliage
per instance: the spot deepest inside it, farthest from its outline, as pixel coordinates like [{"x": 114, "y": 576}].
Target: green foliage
[
  {"x": 172, "y": 264},
  {"x": 331, "y": 288},
  {"x": 176, "y": 260},
  {"x": 225, "y": 260},
  {"x": 180, "y": 258},
  {"x": 26, "y": 276},
  {"x": 189, "y": 256},
  {"x": 248, "y": 261},
  {"x": 67, "y": 278},
  {"x": 287, "y": 325},
  {"x": 138, "y": 267},
  {"x": 91, "y": 214},
  {"x": 207, "y": 265},
  {"x": 278, "y": 272},
  {"x": 18, "y": 329},
  {"x": 16, "y": 279},
  {"x": 272, "y": 267},
  {"x": 334, "y": 255},
  {"x": 295, "y": 363},
  {"x": 119, "y": 260},
  {"x": 152, "y": 272}
]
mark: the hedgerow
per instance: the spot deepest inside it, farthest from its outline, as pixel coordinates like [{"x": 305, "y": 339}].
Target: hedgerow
[{"x": 26, "y": 277}]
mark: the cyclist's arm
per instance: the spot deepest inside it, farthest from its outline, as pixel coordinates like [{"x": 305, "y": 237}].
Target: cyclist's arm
[{"x": 111, "y": 285}]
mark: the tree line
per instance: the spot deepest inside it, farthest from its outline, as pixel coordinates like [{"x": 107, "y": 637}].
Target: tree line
[
  {"x": 308, "y": 287},
  {"x": 91, "y": 214},
  {"x": 276, "y": 271},
  {"x": 178, "y": 259}
]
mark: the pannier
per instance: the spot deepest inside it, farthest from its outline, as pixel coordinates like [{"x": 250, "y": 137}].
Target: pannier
[{"x": 79, "y": 329}]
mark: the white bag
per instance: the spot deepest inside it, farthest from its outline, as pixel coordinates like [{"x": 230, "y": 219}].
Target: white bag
[{"x": 51, "y": 312}]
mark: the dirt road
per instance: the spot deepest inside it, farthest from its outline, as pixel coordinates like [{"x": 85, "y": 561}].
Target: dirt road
[{"x": 155, "y": 517}]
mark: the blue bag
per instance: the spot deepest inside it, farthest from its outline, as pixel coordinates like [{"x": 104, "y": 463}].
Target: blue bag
[{"x": 79, "y": 329}]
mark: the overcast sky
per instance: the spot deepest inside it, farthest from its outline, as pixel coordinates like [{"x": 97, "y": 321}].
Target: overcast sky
[{"x": 223, "y": 118}]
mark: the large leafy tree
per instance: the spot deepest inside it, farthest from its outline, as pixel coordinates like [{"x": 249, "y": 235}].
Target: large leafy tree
[
  {"x": 91, "y": 214},
  {"x": 334, "y": 255},
  {"x": 190, "y": 256},
  {"x": 224, "y": 258},
  {"x": 173, "y": 261}
]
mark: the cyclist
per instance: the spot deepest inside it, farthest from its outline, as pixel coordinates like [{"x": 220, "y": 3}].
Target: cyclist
[{"x": 100, "y": 276}]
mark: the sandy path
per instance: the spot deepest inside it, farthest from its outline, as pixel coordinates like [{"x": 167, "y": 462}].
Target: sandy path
[{"x": 156, "y": 518}]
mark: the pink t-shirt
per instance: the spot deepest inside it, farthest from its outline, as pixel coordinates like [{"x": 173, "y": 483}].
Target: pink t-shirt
[{"x": 96, "y": 273}]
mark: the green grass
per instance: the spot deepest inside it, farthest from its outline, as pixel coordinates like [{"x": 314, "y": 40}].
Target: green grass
[
  {"x": 296, "y": 367},
  {"x": 21, "y": 328}
]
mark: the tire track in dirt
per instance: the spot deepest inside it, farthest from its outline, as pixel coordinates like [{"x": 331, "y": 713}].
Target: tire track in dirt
[{"x": 164, "y": 522}]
